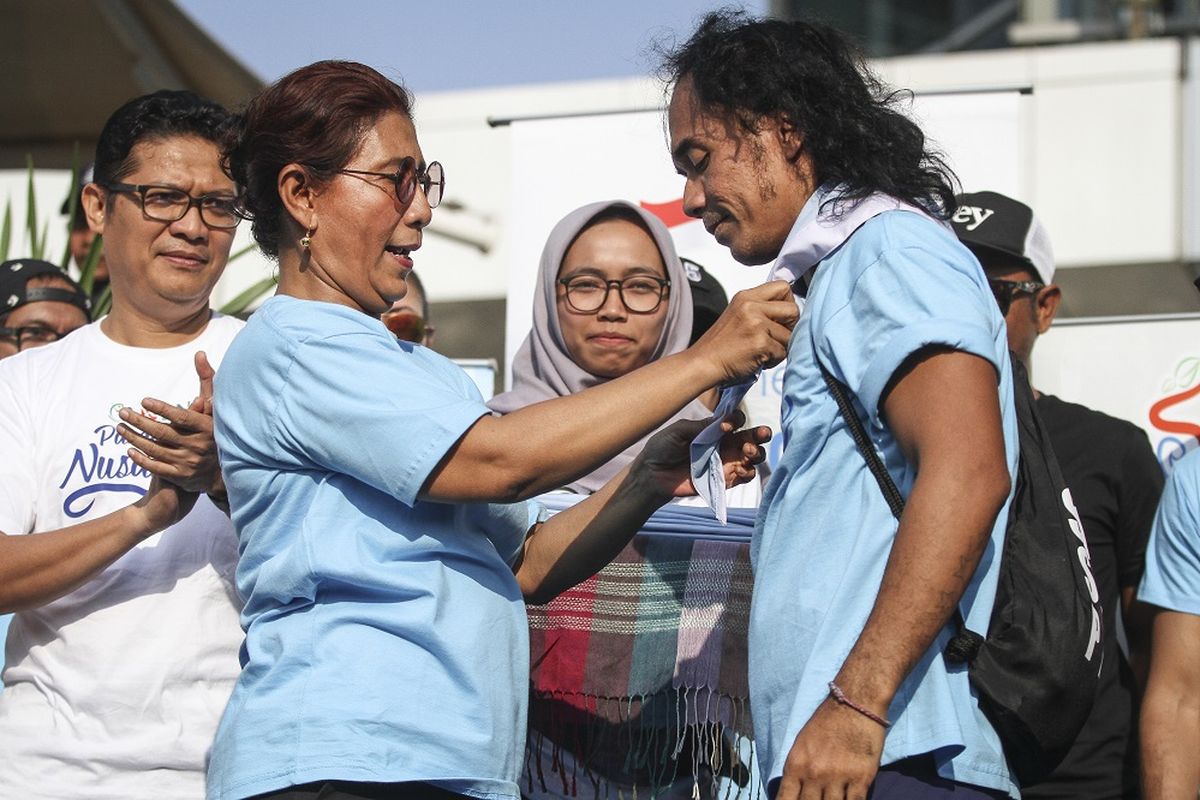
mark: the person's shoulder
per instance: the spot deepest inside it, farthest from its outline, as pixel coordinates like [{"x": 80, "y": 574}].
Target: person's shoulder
[
  {"x": 443, "y": 367},
  {"x": 219, "y": 332},
  {"x": 1068, "y": 408},
  {"x": 1186, "y": 473},
  {"x": 300, "y": 323},
  {"x": 224, "y": 323},
  {"x": 1107, "y": 427},
  {"x": 314, "y": 319},
  {"x": 906, "y": 248},
  {"x": 902, "y": 227},
  {"x": 910, "y": 236}
]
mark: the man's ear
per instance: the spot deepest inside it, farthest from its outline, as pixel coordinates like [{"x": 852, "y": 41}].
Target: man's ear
[
  {"x": 297, "y": 191},
  {"x": 791, "y": 138},
  {"x": 1047, "y": 306},
  {"x": 95, "y": 206}
]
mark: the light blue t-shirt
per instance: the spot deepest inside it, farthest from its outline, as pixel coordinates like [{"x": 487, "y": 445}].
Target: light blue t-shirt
[
  {"x": 897, "y": 284},
  {"x": 1172, "y": 576},
  {"x": 5, "y": 620},
  {"x": 386, "y": 636}
]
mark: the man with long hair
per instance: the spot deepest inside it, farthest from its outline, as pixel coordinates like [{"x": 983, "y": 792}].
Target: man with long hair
[{"x": 791, "y": 151}]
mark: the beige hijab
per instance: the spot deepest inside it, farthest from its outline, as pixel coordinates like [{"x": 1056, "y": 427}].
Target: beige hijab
[{"x": 543, "y": 368}]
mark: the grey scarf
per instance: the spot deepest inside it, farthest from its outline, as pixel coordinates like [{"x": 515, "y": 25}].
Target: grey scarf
[{"x": 543, "y": 368}]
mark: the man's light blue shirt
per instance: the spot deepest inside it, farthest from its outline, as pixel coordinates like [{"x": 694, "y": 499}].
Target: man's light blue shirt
[
  {"x": 886, "y": 287},
  {"x": 386, "y": 637},
  {"x": 1172, "y": 576}
]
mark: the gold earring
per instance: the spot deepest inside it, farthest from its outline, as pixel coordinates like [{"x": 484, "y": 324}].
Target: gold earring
[{"x": 306, "y": 239}]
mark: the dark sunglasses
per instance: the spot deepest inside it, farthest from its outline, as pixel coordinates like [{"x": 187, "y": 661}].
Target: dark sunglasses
[
  {"x": 432, "y": 180},
  {"x": 1007, "y": 291},
  {"x": 407, "y": 326}
]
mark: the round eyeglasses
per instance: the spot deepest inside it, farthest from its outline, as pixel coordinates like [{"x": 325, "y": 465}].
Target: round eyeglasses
[
  {"x": 641, "y": 294},
  {"x": 1006, "y": 291},
  {"x": 432, "y": 180},
  {"x": 170, "y": 204}
]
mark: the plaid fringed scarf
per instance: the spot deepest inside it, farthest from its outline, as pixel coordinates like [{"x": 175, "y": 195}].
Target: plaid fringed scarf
[{"x": 638, "y": 685}]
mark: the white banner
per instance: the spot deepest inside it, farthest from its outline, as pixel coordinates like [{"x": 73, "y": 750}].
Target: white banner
[
  {"x": 1144, "y": 370},
  {"x": 563, "y": 163}
]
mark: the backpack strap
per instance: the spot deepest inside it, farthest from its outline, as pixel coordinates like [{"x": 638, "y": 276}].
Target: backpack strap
[
  {"x": 963, "y": 646},
  {"x": 841, "y": 396}
]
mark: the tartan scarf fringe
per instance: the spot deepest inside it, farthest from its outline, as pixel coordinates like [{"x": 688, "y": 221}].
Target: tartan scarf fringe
[{"x": 669, "y": 745}]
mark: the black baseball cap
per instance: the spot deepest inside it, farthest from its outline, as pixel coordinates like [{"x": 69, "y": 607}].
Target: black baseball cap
[
  {"x": 14, "y": 275},
  {"x": 708, "y": 298},
  {"x": 991, "y": 223}
]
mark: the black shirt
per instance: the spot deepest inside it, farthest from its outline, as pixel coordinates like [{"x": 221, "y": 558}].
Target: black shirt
[{"x": 1115, "y": 480}]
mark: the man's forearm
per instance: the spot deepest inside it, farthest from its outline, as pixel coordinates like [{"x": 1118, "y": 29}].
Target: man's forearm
[
  {"x": 575, "y": 543},
  {"x": 40, "y": 567},
  {"x": 1170, "y": 722},
  {"x": 937, "y": 549},
  {"x": 1137, "y": 619},
  {"x": 1170, "y": 742},
  {"x": 954, "y": 440}
]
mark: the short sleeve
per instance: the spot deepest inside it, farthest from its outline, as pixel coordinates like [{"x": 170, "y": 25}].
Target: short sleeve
[
  {"x": 355, "y": 406},
  {"x": 506, "y": 525},
  {"x": 1138, "y": 492},
  {"x": 908, "y": 298},
  {"x": 18, "y": 489},
  {"x": 1172, "y": 578}
]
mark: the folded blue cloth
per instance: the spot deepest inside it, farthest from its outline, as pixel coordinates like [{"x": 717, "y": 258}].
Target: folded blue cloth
[{"x": 692, "y": 522}]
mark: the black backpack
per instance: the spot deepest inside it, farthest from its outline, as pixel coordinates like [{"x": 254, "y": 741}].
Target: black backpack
[{"x": 1036, "y": 670}]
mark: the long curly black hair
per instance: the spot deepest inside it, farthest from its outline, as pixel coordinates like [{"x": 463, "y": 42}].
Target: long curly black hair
[{"x": 812, "y": 76}]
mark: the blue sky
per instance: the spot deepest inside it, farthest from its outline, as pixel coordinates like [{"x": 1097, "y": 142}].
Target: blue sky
[{"x": 453, "y": 44}]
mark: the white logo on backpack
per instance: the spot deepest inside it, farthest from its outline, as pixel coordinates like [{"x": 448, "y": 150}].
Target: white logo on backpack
[{"x": 1085, "y": 561}]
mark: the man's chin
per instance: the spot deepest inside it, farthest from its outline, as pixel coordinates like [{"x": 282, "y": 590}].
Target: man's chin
[{"x": 752, "y": 257}]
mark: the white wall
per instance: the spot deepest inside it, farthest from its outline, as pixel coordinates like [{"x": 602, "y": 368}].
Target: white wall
[
  {"x": 1145, "y": 370},
  {"x": 453, "y": 128},
  {"x": 1102, "y": 150}
]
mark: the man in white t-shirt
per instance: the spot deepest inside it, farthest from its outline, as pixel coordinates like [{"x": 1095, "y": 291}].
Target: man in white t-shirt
[{"x": 114, "y": 553}]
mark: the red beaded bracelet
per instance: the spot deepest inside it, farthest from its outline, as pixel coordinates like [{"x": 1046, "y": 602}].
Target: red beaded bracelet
[{"x": 837, "y": 694}]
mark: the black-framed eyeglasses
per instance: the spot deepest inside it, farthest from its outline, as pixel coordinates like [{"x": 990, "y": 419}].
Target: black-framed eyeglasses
[
  {"x": 1007, "y": 291},
  {"x": 169, "y": 204},
  {"x": 641, "y": 294},
  {"x": 432, "y": 180},
  {"x": 29, "y": 336}
]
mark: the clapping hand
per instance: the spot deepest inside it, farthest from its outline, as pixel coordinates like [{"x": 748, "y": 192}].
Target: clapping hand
[{"x": 178, "y": 448}]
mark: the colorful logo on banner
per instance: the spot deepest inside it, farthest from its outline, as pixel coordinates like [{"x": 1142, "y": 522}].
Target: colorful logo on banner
[{"x": 1180, "y": 435}]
